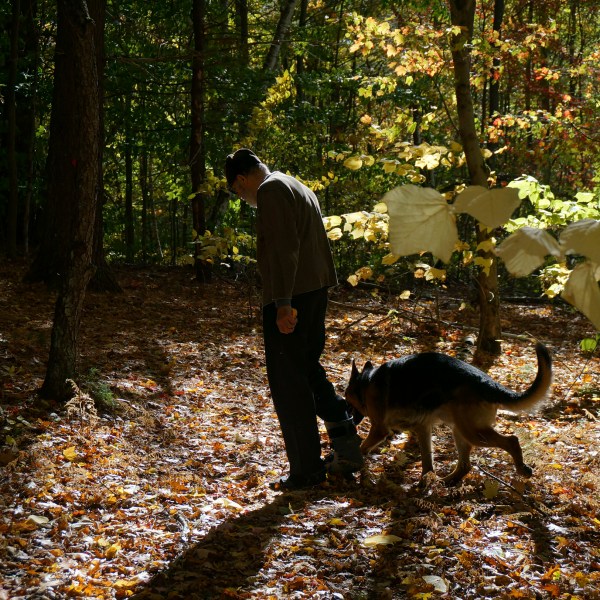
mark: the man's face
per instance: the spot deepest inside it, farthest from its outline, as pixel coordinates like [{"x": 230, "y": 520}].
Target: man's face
[{"x": 242, "y": 186}]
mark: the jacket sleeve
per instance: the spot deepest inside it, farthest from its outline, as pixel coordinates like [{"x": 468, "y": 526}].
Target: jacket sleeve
[{"x": 280, "y": 239}]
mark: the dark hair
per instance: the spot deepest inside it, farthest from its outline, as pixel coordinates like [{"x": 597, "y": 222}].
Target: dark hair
[{"x": 239, "y": 163}]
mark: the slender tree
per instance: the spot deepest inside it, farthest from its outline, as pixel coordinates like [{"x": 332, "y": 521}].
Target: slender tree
[
  {"x": 73, "y": 181},
  {"x": 283, "y": 26},
  {"x": 197, "y": 159},
  {"x": 463, "y": 15},
  {"x": 103, "y": 278},
  {"x": 13, "y": 195}
]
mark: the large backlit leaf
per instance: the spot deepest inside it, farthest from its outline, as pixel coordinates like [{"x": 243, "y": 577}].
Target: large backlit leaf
[
  {"x": 583, "y": 293},
  {"x": 490, "y": 207},
  {"x": 582, "y": 237},
  {"x": 420, "y": 221},
  {"x": 525, "y": 250}
]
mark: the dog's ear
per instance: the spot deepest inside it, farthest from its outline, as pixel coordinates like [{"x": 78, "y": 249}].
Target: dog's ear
[
  {"x": 368, "y": 367},
  {"x": 354, "y": 373}
]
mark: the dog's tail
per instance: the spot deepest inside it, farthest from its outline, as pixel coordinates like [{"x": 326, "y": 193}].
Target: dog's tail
[{"x": 538, "y": 391}]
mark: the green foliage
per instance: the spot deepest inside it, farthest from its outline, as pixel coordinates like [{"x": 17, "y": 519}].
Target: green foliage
[
  {"x": 589, "y": 345},
  {"x": 546, "y": 211},
  {"x": 226, "y": 248},
  {"x": 100, "y": 391},
  {"x": 362, "y": 101}
]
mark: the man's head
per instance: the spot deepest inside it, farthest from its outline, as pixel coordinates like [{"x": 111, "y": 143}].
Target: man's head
[
  {"x": 240, "y": 170},
  {"x": 239, "y": 163}
]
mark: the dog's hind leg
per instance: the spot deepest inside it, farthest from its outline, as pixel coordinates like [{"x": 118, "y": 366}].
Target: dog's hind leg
[
  {"x": 463, "y": 466},
  {"x": 490, "y": 438}
]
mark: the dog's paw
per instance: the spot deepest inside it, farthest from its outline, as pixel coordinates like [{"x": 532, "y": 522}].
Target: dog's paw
[
  {"x": 427, "y": 480},
  {"x": 526, "y": 471},
  {"x": 452, "y": 480}
]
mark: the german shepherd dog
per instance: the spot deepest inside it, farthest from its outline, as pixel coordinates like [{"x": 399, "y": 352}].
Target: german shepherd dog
[{"x": 417, "y": 391}]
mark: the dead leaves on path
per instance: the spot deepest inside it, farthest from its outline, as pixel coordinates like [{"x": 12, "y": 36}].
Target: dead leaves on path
[{"x": 165, "y": 495}]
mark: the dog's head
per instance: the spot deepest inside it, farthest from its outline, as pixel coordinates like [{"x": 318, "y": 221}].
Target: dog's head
[{"x": 355, "y": 391}]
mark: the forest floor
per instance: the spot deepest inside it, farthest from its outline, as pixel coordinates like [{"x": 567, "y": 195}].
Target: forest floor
[{"x": 161, "y": 490}]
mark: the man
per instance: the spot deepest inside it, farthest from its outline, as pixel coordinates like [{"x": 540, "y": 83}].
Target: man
[{"x": 296, "y": 265}]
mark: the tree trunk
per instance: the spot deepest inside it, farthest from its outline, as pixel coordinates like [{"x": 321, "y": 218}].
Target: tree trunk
[
  {"x": 495, "y": 74},
  {"x": 13, "y": 181},
  {"x": 463, "y": 13},
  {"x": 103, "y": 279},
  {"x": 129, "y": 225},
  {"x": 197, "y": 158},
  {"x": 73, "y": 181},
  {"x": 143, "y": 158},
  {"x": 242, "y": 14},
  {"x": 29, "y": 12},
  {"x": 287, "y": 12},
  {"x": 300, "y": 67}
]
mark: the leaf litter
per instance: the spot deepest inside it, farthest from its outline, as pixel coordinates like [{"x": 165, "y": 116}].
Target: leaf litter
[{"x": 159, "y": 488}]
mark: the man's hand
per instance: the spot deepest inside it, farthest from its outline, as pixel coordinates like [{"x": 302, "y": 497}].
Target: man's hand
[{"x": 286, "y": 318}]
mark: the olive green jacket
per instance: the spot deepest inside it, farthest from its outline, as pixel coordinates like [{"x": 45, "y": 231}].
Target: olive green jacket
[{"x": 294, "y": 256}]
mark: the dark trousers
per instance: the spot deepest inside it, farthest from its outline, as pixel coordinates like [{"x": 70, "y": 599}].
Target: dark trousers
[{"x": 298, "y": 382}]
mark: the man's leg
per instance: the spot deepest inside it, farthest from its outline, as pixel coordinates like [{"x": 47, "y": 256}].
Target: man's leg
[
  {"x": 292, "y": 397},
  {"x": 347, "y": 457}
]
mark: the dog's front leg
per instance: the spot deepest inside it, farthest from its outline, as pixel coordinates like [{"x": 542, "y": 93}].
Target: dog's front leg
[{"x": 377, "y": 434}]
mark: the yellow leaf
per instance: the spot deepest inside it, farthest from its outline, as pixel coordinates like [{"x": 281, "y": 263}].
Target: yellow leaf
[
  {"x": 380, "y": 207},
  {"x": 335, "y": 234},
  {"x": 355, "y": 217},
  {"x": 332, "y": 221},
  {"x": 490, "y": 488},
  {"x": 405, "y": 295},
  {"x": 70, "y": 453},
  {"x": 433, "y": 274},
  {"x": 484, "y": 263},
  {"x": 487, "y": 245},
  {"x": 389, "y": 259},
  {"x": 112, "y": 550},
  {"x": 376, "y": 540},
  {"x": 353, "y": 163},
  {"x": 338, "y": 522},
  {"x": 126, "y": 584}
]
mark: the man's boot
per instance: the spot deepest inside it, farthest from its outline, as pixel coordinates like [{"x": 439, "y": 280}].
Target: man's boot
[{"x": 346, "y": 457}]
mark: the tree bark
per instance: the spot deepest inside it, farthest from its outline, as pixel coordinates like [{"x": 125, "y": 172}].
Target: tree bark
[
  {"x": 197, "y": 159},
  {"x": 287, "y": 12},
  {"x": 13, "y": 182},
  {"x": 129, "y": 224},
  {"x": 73, "y": 181},
  {"x": 103, "y": 279},
  {"x": 463, "y": 14}
]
